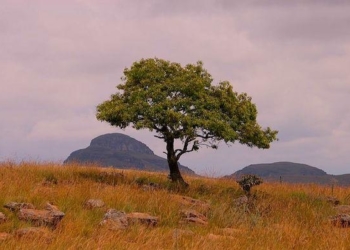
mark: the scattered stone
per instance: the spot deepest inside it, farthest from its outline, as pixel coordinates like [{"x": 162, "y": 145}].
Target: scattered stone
[
  {"x": 51, "y": 207},
  {"x": 341, "y": 220},
  {"x": 142, "y": 218},
  {"x": 190, "y": 215},
  {"x": 177, "y": 233},
  {"x": 41, "y": 217},
  {"x": 333, "y": 200},
  {"x": 342, "y": 209},
  {"x": 194, "y": 221},
  {"x": 92, "y": 203},
  {"x": 15, "y": 206},
  {"x": 34, "y": 232},
  {"x": 115, "y": 220},
  {"x": 243, "y": 200},
  {"x": 187, "y": 213},
  {"x": 2, "y": 218},
  {"x": 4, "y": 236}
]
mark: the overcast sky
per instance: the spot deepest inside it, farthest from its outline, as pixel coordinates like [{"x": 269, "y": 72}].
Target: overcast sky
[{"x": 60, "y": 59}]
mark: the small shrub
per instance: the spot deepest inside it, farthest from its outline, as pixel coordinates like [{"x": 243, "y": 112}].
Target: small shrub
[{"x": 248, "y": 181}]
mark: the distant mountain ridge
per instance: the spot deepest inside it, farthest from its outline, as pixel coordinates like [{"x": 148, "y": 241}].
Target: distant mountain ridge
[
  {"x": 292, "y": 173},
  {"x": 122, "y": 151}
]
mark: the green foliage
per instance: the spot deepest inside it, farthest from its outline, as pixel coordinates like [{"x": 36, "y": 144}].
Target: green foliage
[
  {"x": 180, "y": 103},
  {"x": 248, "y": 181}
]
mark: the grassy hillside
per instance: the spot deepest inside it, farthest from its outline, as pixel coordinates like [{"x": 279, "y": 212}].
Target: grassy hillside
[{"x": 279, "y": 216}]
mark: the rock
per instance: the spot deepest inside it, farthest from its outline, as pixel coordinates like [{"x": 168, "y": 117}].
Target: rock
[
  {"x": 194, "y": 220},
  {"x": 142, "y": 218},
  {"x": 4, "y": 236},
  {"x": 190, "y": 215},
  {"x": 115, "y": 220},
  {"x": 2, "y": 218},
  {"x": 342, "y": 209},
  {"x": 34, "y": 233},
  {"x": 41, "y": 217},
  {"x": 241, "y": 200},
  {"x": 92, "y": 203},
  {"x": 341, "y": 220},
  {"x": 15, "y": 206},
  {"x": 332, "y": 200},
  {"x": 51, "y": 207}
]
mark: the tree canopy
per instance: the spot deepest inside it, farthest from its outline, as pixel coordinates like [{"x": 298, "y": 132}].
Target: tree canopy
[{"x": 181, "y": 103}]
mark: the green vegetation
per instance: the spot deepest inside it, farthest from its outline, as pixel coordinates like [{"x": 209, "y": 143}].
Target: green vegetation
[
  {"x": 248, "y": 181},
  {"x": 180, "y": 103}
]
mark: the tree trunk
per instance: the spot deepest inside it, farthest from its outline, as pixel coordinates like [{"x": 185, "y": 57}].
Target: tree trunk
[{"x": 175, "y": 174}]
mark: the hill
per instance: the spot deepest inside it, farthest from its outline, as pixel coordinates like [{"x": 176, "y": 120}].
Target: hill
[
  {"x": 292, "y": 173},
  {"x": 121, "y": 151}
]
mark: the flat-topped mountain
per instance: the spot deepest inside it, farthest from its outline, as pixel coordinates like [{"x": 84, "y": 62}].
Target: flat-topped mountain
[
  {"x": 292, "y": 173},
  {"x": 122, "y": 151}
]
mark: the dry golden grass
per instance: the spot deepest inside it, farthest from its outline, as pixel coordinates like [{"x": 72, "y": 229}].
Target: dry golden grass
[{"x": 282, "y": 216}]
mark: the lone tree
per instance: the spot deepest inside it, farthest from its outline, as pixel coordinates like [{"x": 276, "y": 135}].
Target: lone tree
[{"x": 180, "y": 103}]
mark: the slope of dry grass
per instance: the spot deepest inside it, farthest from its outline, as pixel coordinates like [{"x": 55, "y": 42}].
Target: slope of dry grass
[{"x": 282, "y": 216}]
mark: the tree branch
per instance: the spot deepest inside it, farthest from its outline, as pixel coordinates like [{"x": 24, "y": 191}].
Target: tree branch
[{"x": 185, "y": 147}]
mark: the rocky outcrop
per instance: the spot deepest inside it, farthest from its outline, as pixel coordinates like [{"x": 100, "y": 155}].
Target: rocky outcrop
[
  {"x": 341, "y": 220},
  {"x": 116, "y": 220},
  {"x": 333, "y": 200},
  {"x": 192, "y": 216},
  {"x": 120, "y": 142},
  {"x": 50, "y": 216},
  {"x": 142, "y": 218},
  {"x": 121, "y": 151},
  {"x": 35, "y": 233},
  {"x": 16, "y": 206},
  {"x": 41, "y": 217}
]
